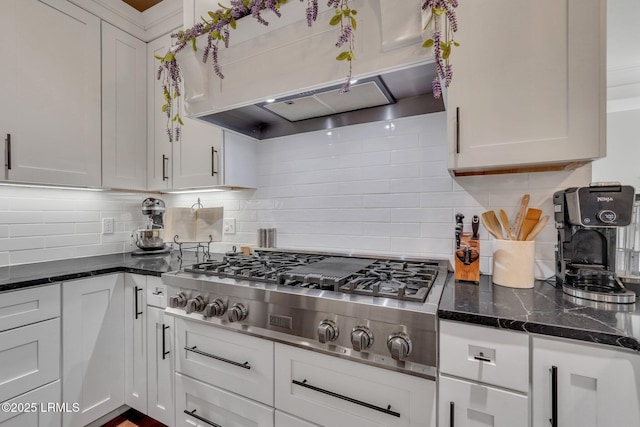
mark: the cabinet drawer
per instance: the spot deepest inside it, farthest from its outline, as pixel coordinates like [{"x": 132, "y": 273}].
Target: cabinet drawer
[
  {"x": 29, "y": 357},
  {"x": 44, "y": 415},
  {"x": 201, "y": 404},
  {"x": 475, "y": 404},
  {"x": 286, "y": 420},
  {"x": 335, "y": 392},
  {"x": 488, "y": 355},
  {"x": 232, "y": 361},
  {"x": 18, "y": 308}
]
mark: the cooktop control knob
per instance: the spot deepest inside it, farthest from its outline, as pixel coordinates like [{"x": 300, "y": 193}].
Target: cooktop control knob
[
  {"x": 327, "y": 331},
  {"x": 399, "y": 345},
  {"x": 178, "y": 301},
  {"x": 195, "y": 304},
  {"x": 215, "y": 309},
  {"x": 361, "y": 338},
  {"x": 238, "y": 312}
]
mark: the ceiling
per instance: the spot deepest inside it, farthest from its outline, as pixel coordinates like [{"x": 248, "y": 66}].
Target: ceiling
[{"x": 141, "y": 5}]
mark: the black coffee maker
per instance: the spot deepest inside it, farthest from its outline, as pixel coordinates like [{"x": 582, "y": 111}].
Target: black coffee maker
[{"x": 587, "y": 219}]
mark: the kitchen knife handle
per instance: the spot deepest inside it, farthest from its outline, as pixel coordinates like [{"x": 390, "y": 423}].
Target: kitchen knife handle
[
  {"x": 475, "y": 226},
  {"x": 457, "y": 130},
  {"x": 451, "y": 412},
  {"x": 554, "y": 397},
  {"x": 164, "y": 342},
  {"x": 213, "y": 161},
  {"x": 8, "y": 141},
  {"x": 164, "y": 167}
]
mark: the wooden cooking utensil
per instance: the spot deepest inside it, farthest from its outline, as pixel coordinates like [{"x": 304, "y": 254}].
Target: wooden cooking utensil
[
  {"x": 492, "y": 224},
  {"x": 530, "y": 221},
  {"x": 505, "y": 224},
  {"x": 538, "y": 228},
  {"x": 517, "y": 227}
]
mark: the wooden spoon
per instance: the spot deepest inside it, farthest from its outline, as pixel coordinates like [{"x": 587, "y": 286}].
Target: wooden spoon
[
  {"x": 505, "y": 224},
  {"x": 492, "y": 224},
  {"x": 538, "y": 228},
  {"x": 517, "y": 227}
]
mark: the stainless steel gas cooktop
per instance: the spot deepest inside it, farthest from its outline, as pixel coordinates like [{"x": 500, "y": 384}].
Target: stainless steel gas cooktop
[{"x": 376, "y": 310}]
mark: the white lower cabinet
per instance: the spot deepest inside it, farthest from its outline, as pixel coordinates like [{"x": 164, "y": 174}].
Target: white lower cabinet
[
  {"x": 286, "y": 420},
  {"x": 44, "y": 414},
  {"x": 135, "y": 341},
  {"x": 334, "y": 392},
  {"x": 465, "y": 404},
  {"x": 230, "y": 360},
  {"x": 596, "y": 386},
  {"x": 93, "y": 347},
  {"x": 160, "y": 357},
  {"x": 200, "y": 404}
]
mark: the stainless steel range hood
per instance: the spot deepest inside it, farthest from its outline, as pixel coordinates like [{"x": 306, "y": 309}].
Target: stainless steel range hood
[{"x": 393, "y": 95}]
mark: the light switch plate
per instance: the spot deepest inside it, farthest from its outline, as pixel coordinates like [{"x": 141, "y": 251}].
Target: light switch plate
[{"x": 229, "y": 226}]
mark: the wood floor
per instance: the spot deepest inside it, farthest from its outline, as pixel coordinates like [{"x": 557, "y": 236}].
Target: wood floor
[{"x": 135, "y": 419}]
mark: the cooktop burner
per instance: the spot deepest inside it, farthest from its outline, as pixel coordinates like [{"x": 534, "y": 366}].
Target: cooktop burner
[{"x": 397, "y": 279}]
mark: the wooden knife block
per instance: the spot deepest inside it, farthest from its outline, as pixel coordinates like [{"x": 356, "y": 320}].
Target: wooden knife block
[{"x": 467, "y": 271}]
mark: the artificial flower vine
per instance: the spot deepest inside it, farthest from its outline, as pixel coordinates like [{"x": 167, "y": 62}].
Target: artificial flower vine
[
  {"x": 442, "y": 23},
  {"x": 219, "y": 24}
]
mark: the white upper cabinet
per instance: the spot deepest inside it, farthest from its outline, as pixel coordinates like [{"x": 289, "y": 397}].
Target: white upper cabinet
[
  {"x": 529, "y": 85},
  {"x": 50, "y": 84},
  {"x": 202, "y": 157},
  {"x": 124, "y": 110}
]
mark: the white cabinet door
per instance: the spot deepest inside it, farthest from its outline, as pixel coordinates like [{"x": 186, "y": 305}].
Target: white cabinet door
[
  {"x": 92, "y": 347},
  {"x": 50, "y": 84},
  {"x": 335, "y": 392},
  {"x": 135, "y": 341},
  {"x": 467, "y": 404},
  {"x": 240, "y": 161},
  {"x": 596, "y": 386},
  {"x": 124, "y": 110},
  {"x": 529, "y": 84},
  {"x": 47, "y": 414},
  {"x": 160, "y": 354},
  {"x": 200, "y": 404},
  {"x": 29, "y": 357}
]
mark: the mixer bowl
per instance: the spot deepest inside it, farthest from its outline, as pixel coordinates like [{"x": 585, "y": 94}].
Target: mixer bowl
[{"x": 149, "y": 239}]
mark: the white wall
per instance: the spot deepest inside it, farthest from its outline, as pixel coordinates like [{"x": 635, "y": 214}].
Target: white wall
[
  {"x": 378, "y": 189},
  {"x": 39, "y": 224}
]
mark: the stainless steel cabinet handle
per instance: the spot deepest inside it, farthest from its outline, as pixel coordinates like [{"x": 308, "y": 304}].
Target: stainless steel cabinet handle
[
  {"x": 136, "y": 290},
  {"x": 198, "y": 417},
  {"x": 194, "y": 349},
  {"x": 386, "y": 410},
  {"x": 554, "y": 397},
  {"x": 165, "y": 160},
  {"x": 164, "y": 343},
  {"x": 8, "y": 161},
  {"x": 213, "y": 161},
  {"x": 457, "y": 130}
]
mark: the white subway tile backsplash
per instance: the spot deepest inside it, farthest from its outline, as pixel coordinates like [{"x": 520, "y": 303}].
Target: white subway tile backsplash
[
  {"x": 392, "y": 230},
  {"x": 21, "y": 243},
  {"x": 426, "y": 215},
  {"x": 15, "y": 217},
  {"x": 21, "y": 230}
]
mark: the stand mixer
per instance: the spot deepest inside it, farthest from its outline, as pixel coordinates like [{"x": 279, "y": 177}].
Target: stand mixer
[
  {"x": 150, "y": 239},
  {"x": 587, "y": 219}
]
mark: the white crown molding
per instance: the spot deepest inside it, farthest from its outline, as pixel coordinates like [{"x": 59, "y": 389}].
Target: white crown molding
[{"x": 146, "y": 26}]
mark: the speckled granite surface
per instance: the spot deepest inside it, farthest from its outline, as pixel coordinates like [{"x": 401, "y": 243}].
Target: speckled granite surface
[
  {"x": 25, "y": 275},
  {"x": 543, "y": 310}
]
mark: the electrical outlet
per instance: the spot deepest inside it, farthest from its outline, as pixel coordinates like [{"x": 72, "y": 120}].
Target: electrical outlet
[
  {"x": 229, "y": 226},
  {"x": 107, "y": 225}
]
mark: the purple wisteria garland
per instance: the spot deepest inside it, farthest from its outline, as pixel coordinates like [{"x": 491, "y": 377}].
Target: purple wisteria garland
[
  {"x": 443, "y": 22},
  {"x": 217, "y": 29}
]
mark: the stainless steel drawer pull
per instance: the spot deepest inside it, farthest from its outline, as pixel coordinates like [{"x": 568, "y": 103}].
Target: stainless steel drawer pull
[
  {"x": 386, "y": 410},
  {"x": 199, "y": 418},
  {"x": 194, "y": 349}
]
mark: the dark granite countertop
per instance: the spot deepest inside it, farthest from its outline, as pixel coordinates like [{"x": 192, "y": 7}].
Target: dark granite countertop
[
  {"x": 25, "y": 275},
  {"x": 544, "y": 309}
]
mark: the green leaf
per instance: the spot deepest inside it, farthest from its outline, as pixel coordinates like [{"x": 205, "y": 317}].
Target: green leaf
[
  {"x": 193, "y": 43},
  {"x": 232, "y": 23},
  {"x": 159, "y": 58},
  {"x": 346, "y": 12},
  {"x": 169, "y": 57},
  {"x": 343, "y": 56},
  {"x": 428, "y": 43},
  {"x": 335, "y": 20},
  {"x": 164, "y": 108},
  {"x": 354, "y": 12},
  {"x": 180, "y": 121},
  {"x": 446, "y": 52},
  {"x": 215, "y": 34},
  {"x": 456, "y": 44},
  {"x": 354, "y": 24},
  {"x": 167, "y": 97},
  {"x": 439, "y": 11},
  {"x": 175, "y": 118}
]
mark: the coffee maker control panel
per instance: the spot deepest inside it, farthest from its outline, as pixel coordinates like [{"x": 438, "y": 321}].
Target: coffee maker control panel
[{"x": 600, "y": 206}]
